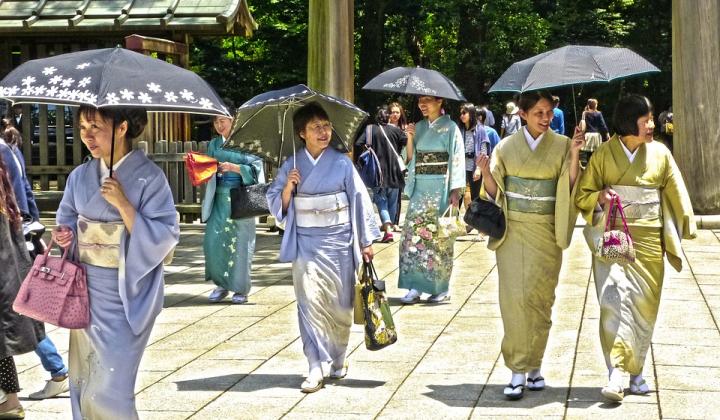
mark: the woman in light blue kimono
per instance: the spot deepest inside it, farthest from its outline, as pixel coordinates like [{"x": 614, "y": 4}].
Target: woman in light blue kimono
[
  {"x": 229, "y": 244},
  {"x": 329, "y": 229},
  {"x": 436, "y": 178},
  {"x": 121, "y": 228}
]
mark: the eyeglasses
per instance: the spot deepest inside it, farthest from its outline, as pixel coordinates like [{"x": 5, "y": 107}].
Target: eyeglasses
[{"x": 321, "y": 128}]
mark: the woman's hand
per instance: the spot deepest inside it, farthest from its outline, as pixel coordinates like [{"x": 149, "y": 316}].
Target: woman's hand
[
  {"x": 578, "y": 141},
  {"x": 293, "y": 180},
  {"x": 63, "y": 236},
  {"x": 606, "y": 196},
  {"x": 228, "y": 167},
  {"x": 477, "y": 174},
  {"x": 368, "y": 253},
  {"x": 410, "y": 129},
  {"x": 113, "y": 193},
  {"x": 483, "y": 164}
]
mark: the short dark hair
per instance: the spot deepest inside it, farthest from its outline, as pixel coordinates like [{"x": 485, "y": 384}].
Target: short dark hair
[
  {"x": 482, "y": 115},
  {"x": 627, "y": 112},
  {"x": 136, "y": 118},
  {"x": 530, "y": 98},
  {"x": 382, "y": 116},
  {"x": 306, "y": 113}
]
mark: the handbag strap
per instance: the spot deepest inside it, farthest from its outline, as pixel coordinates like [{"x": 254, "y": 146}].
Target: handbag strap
[
  {"x": 390, "y": 145},
  {"x": 611, "y": 214},
  {"x": 619, "y": 207}
]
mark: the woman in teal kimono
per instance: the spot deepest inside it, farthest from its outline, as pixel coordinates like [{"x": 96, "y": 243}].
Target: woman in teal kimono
[
  {"x": 229, "y": 244},
  {"x": 436, "y": 177}
]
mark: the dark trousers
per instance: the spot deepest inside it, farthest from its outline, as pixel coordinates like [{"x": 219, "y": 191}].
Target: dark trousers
[{"x": 473, "y": 185}]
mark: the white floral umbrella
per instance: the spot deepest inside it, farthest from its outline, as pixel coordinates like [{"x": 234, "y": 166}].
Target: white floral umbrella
[
  {"x": 111, "y": 77},
  {"x": 415, "y": 81}
]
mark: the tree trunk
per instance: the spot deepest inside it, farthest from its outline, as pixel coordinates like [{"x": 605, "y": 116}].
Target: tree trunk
[
  {"x": 330, "y": 47},
  {"x": 468, "y": 48},
  {"x": 696, "y": 99}
]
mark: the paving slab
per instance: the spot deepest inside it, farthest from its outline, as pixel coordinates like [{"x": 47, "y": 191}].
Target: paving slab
[{"x": 225, "y": 361}]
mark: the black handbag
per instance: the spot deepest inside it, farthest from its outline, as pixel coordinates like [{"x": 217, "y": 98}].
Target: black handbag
[
  {"x": 487, "y": 217},
  {"x": 379, "y": 326},
  {"x": 249, "y": 201}
]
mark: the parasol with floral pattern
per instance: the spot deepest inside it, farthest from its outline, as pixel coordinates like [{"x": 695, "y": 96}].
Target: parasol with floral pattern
[{"x": 415, "y": 81}]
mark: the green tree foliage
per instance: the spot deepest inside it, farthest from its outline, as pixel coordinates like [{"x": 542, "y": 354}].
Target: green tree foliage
[
  {"x": 471, "y": 41},
  {"x": 274, "y": 57}
]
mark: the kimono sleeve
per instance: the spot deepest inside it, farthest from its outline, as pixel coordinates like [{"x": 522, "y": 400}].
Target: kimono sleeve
[
  {"x": 565, "y": 208},
  {"x": 457, "y": 160},
  {"x": 362, "y": 212},
  {"x": 498, "y": 172},
  {"x": 154, "y": 234},
  {"x": 67, "y": 212},
  {"x": 589, "y": 186},
  {"x": 678, "y": 217}
]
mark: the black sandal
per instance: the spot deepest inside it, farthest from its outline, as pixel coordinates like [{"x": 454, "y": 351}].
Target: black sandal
[
  {"x": 513, "y": 388},
  {"x": 533, "y": 381}
]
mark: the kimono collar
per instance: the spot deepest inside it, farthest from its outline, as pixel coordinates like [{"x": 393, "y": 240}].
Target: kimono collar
[
  {"x": 312, "y": 159},
  {"x": 532, "y": 143},
  {"x": 630, "y": 155},
  {"x": 105, "y": 171}
]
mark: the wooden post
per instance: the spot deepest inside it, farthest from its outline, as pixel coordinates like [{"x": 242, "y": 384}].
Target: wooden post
[
  {"x": 330, "y": 47},
  {"x": 696, "y": 99}
]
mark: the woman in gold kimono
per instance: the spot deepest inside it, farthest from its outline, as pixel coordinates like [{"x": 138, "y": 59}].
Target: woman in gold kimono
[
  {"x": 644, "y": 175},
  {"x": 532, "y": 177}
]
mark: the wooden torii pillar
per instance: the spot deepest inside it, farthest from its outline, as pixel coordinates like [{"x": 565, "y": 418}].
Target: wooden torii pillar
[
  {"x": 331, "y": 67},
  {"x": 696, "y": 99}
]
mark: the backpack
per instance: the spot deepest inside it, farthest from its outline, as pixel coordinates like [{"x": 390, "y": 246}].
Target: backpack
[{"x": 368, "y": 164}]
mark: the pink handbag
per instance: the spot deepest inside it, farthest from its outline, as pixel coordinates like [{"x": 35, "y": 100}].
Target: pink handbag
[
  {"x": 55, "y": 291},
  {"x": 616, "y": 246}
]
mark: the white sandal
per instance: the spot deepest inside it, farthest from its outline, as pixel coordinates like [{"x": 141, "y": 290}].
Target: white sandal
[
  {"x": 613, "y": 392},
  {"x": 639, "y": 388},
  {"x": 309, "y": 386}
]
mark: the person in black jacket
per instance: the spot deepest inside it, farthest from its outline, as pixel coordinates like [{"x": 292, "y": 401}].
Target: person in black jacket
[{"x": 387, "y": 141}]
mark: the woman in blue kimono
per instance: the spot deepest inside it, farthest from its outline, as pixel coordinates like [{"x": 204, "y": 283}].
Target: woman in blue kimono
[
  {"x": 229, "y": 244},
  {"x": 436, "y": 178},
  {"x": 329, "y": 229},
  {"x": 121, "y": 228}
]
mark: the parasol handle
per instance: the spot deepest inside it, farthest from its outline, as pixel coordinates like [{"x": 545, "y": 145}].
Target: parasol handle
[{"x": 112, "y": 148}]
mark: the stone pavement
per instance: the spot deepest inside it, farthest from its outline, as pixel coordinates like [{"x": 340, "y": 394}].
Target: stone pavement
[{"x": 224, "y": 361}]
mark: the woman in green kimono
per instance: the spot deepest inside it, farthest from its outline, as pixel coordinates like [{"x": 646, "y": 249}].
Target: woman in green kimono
[
  {"x": 436, "y": 177},
  {"x": 229, "y": 244},
  {"x": 532, "y": 177},
  {"x": 644, "y": 175}
]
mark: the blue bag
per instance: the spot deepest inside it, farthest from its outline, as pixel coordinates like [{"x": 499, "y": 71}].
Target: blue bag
[{"x": 368, "y": 165}]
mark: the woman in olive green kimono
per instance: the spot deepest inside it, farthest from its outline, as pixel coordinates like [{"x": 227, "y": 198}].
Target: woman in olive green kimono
[
  {"x": 532, "y": 177},
  {"x": 643, "y": 174}
]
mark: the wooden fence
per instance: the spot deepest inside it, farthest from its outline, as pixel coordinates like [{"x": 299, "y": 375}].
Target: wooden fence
[{"x": 169, "y": 156}]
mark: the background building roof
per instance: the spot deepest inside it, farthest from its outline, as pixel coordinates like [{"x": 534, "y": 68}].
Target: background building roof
[{"x": 208, "y": 17}]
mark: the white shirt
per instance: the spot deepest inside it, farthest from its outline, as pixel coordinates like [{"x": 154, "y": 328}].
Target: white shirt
[
  {"x": 533, "y": 143},
  {"x": 312, "y": 159},
  {"x": 630, "y": 155},
  {"x": 105, "y": 171}
]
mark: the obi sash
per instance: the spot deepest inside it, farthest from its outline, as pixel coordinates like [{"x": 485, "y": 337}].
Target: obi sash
[
  {"x": 431, "y": 163},
  {"x": 639, "y": 202},
  {"x": 99, "y": 242},
  {"x": 530, "y": 195},
  {"x": 322, "y": 210}
]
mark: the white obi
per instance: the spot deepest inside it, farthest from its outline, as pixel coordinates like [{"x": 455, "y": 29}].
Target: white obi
[
  {"x": 322, "y": 210},
  {"x": 639, "y": 202},
  {"x": 99, "y": 242}
]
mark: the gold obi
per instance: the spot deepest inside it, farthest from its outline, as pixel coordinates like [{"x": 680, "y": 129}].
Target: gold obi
[
  {"x": 99, "y": 242},
  {"x": 530, "y": 195},
  {"x": 431, "y": 163}
]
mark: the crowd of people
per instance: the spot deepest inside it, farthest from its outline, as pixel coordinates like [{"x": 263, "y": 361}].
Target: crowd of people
[{"x": 535, "y": 174}]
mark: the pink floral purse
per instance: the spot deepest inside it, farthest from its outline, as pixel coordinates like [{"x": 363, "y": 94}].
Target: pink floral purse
[
  {"x": 616, "y": 246},
  {"x": 55, "y": 291}
]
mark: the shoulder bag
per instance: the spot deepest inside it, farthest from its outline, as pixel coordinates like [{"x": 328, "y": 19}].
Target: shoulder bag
[{"x": 55, "y": 291}]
